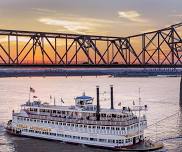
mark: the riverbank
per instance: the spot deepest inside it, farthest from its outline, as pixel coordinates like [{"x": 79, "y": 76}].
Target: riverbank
[{"x": 115, "y": 72}]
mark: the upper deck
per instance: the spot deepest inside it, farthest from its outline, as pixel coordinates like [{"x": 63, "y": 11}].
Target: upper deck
[
  {"x": 83, "y": 111},
  {"x": 73, "y": 114}
]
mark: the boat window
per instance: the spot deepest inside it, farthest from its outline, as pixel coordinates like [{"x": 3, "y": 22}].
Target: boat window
[
  {"x": 103, "y": 140},
  {"x": 103, "y": 115},
  {"x": 112, "y": 128},
  {"x": 60, "y": 123},
  {"x": 118, "y": 116},
  {"x": 93, "y": 139},
  {"x": 109, "y": 115},
  {"x": 81, "y": 102},
  {"x": 48, "y": 110},
  {"x": 84, "y": 138},
  {"x": 74, "y": 137},
  {"x": 122, "y": 128},
  {"x": 114, "y": 115},
  {"x": 62, "y": 135}
]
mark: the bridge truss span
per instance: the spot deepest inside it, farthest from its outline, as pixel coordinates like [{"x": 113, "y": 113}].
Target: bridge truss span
[{"x": 157, "y": 48}]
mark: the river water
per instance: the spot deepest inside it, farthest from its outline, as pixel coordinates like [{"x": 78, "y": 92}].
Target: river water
[{"x": 161, "y": 94}]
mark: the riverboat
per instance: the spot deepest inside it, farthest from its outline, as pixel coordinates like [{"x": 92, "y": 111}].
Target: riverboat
[{"x": 82, "y": 123}]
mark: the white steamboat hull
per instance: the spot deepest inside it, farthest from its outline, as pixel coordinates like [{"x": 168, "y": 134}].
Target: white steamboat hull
[{"x": 70, "y": 139}]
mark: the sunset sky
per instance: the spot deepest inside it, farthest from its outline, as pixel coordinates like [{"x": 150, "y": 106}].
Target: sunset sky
[{"x": 98, "y": 17}]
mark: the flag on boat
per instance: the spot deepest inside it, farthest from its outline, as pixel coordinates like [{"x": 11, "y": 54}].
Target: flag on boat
[
  {"x": 50, "y": 97},
  {"x": 32, "y": 90},
  {"x": 35, "y": 97},
  {"x": 62, "y": 100},
  {"x": 119, "y": 104},
  {"x": 133, "y": 102}
]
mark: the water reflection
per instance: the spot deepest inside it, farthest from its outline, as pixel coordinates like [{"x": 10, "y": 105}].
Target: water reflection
[{"x": 180, "y": 121}]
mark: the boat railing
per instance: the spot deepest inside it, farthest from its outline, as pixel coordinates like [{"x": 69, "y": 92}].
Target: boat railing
[{"x": 81, "y": 121}]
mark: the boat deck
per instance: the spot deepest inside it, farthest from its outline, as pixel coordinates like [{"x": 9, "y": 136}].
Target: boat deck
[
  {"x": 143, "y": 146},
  {"x": 88, "y": 122}
]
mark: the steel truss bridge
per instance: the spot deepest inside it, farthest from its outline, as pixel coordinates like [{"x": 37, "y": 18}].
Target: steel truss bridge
[{"x": 161, "y": 48}]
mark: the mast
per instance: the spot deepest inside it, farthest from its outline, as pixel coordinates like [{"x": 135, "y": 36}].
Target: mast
[{"x": 180, "y": 101}]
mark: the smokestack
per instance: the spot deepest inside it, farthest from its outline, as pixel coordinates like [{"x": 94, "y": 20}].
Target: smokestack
[
  {"x": 98, "y": 104},
  {"x": 112, "y": 104},
  {"x": 180, "y": 101}
]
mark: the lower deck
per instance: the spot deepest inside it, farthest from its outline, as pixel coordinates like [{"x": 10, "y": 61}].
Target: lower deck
[
  {"x": 53, "y": 145},
  {"x": 107, "y": 143}
]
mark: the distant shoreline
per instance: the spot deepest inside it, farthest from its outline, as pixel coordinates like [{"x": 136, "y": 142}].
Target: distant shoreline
[{"x": 114, "y": 72}]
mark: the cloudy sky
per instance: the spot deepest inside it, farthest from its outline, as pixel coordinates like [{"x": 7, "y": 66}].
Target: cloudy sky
[{"x": 98, "y": 17}]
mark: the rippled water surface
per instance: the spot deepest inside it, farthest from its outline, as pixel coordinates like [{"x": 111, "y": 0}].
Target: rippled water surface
[{"x": 161, "y": 94}]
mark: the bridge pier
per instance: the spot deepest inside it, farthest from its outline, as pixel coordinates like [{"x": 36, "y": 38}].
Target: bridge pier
[{"x": 180, "y": 100}]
